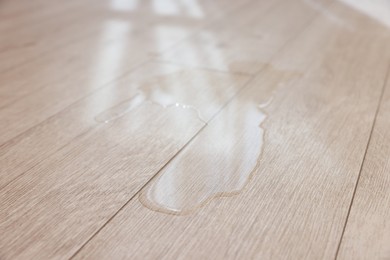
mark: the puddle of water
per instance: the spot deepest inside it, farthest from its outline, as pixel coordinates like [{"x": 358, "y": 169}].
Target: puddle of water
[
  {"x": 128, "y": 105},
  {"x": 218, "y": 162},
  {"x": 221, "y": 159},
  {"x": 202, "y": 92}
]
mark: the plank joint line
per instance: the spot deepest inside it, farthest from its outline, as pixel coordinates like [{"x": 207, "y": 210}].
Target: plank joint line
[{"x": 386, "y": 80}]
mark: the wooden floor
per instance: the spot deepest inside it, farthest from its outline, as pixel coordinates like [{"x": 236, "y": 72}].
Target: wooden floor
[{"x": 194, "y": 129}]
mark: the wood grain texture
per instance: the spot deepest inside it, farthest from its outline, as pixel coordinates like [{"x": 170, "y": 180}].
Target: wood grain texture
[
  {"x": 45, "y": 182},
  {"x": 222, "y": 50},
  {"x": 154, "y": 33},
  {"x": 192, "y": 129},
  {"x": 44, "y": 89},
  {"x": 297, "y": 202},
  {"x": 45, "y": 102},
  {"x": 48, "y": 190},
  {"x": 63, "y": 200},
  {"x": 46, "y": 138},
  {"x": 89, "y": 19},
  {"x": 367, "y": 234}
]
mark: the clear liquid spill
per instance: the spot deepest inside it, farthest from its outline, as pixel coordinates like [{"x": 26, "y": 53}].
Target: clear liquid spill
[
  {"x": 218, "y": 162},
  {"x": 221, "y": 159},
  {"x": 202, "y": 92},
  {"x": 130, "y": 104}
]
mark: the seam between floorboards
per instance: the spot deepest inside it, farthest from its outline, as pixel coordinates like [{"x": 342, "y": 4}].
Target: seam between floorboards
[
  {"x": 107, "y": 84},
  {"x": 91, "y": 33},
  {"x": 305, "y": 27},
  {"x": 87, "y": 131},
  {"x": 159, "y": 170},
  {"x": 148, "y": 59},
  {"x": 153, "y": 60},
  {"x": 363, "y": 160},
  {"x": 67, "y": 108}
]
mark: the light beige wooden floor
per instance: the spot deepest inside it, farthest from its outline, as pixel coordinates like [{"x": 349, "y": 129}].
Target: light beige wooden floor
[{"x": 194, "y": 129}]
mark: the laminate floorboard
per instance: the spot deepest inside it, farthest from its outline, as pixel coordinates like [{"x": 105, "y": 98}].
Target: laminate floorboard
[
  {"x": 35, "y": 14},
  {"x": 103, "y": 27},
  {"x": 258, "y": 36},
  {"x": 367, "y": 234},
  {"x": 39, "y": 188},
  {"x": 90, "y": 27},
  {"x": 32, "y": 39},
  {"x": 14, "y": 159},
  {"x": 297, "y": 200},
  {"x": 173, "y": 86},
  {"x": 39, "y": 138},
  {"x": 191, "y": 129},
  {"x": 114, "y": 52},
  {"x": 42, "y": 140}
]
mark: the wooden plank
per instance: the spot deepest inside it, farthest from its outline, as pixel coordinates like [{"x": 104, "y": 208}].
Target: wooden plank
[
  {"x": 21, "y": 154},
  {"x": 257, "y": 35},
  {"x": 44, "y": 186},
  {"x": 367, "y": 234},
  {"x": 45, "y": 90},
  {"x": 101, "y": 26},
  {"x": 44, "y": 212},
  {"x": 17, "y": 164},
  {"x": 296, "y": 203},
  {"x": 60, "y": 88},
  {"x": 108, "y": 61},
  {"x": 65, "y": 187},
  {"x": 34, "y": 39},
  {"x": 41, "y": 141},
  {"x": 36, "y": 14},
  {"x": 115, "y": 48},
  {"x": 15, "y": 7}
]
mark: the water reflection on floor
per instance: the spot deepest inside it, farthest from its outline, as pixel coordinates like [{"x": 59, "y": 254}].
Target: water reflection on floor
[
  {"x": 221, "y": 159},
  {"x": 233, "y": 141}
]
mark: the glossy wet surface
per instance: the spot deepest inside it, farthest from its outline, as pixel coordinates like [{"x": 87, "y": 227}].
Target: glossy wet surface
[
  {"x": 194, "y": 129},
  {"x": 190, "y": 179},
  {"x": 233, "y": 133}
]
